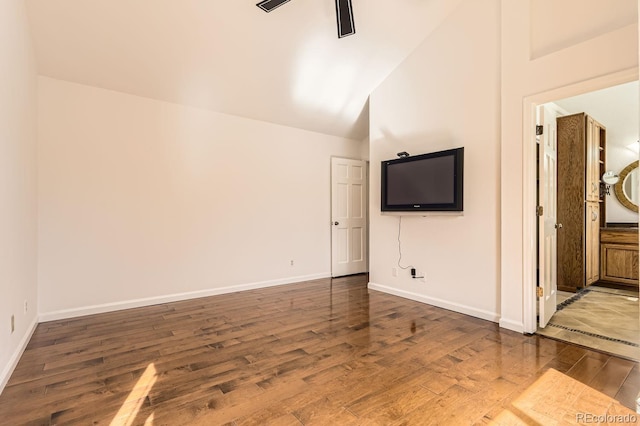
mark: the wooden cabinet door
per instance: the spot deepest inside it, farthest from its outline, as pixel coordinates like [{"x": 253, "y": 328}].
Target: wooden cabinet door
[
  {"x": 619, "y": 263},
  {"x": 595, "y": 243},
  {"x": 571, "y": 166},
  {"x": 592, "y": 184},
  {"x": 592, "y": 242}
]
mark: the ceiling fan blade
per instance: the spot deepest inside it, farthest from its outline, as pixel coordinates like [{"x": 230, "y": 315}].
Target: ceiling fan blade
[
  {"x": 269, "y": 5},
  {"x": 344, "y": 13}
]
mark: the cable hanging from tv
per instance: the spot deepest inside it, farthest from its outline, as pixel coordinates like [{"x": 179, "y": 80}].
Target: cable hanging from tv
[
  {"x": 413, "y": 269},
  {"x": 400, "y": 246}
]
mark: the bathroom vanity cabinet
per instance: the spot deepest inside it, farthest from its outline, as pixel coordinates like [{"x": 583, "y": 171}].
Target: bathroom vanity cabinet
[{"x": 619, "y": 255}]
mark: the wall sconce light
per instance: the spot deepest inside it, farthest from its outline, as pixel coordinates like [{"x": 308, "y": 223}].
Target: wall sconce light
[{"x": 609, "y": 178}]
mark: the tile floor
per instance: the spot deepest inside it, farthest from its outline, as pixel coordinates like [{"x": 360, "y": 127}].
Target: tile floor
[{"x": 602, "y": 318}]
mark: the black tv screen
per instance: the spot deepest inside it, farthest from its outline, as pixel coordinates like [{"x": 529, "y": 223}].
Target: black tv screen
[{"x": 427, "y": 182}]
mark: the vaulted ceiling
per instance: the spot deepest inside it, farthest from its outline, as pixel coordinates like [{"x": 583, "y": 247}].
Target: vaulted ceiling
[{"x": 286, "y": 67}]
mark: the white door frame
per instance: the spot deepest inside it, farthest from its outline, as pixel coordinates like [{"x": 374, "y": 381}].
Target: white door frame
[{"x": 529, "y": 218}]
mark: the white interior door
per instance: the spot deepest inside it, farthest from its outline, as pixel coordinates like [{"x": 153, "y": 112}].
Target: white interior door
[
  {"x": 548, "y": 247},
  {"x": 348, "y": 217}
]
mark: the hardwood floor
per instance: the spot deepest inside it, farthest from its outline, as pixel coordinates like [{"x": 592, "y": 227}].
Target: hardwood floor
[{"x": 319, "y": 352}]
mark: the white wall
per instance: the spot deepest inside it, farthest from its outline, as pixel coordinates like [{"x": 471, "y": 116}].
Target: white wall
[
  {"x": 583, "y": 61},
  {"x": 557, "y": 26},
  {"x": 364, "y": 149},
  {"x": 17, "y": 184},
  {"x": 142, "y": 201},
  {"x": 445, "y": 95}
]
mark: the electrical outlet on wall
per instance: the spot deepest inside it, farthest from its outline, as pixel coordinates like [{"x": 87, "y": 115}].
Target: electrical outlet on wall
[
  {"x": 26, "y": 307},
  {"x": 291, "y": 262},
  {"x": 394, "y": 272},
  {"x": 13, "y": 323}
]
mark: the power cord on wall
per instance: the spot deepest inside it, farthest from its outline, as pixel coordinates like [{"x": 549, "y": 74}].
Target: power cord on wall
[
  {"x": 400, "y": 245},
  {"x": 413, "y": 269}
]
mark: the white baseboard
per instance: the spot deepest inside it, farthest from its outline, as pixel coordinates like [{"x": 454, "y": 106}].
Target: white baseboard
[
  {"x": 13, "y": 361},
  {"x": 452, "y": 306},
  {"x": 512, "y": 325},
  {"x": 137, "y": 303}
]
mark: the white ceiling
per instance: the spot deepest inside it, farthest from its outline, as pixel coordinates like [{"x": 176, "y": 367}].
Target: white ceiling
[{"x": 286, "y": 67}]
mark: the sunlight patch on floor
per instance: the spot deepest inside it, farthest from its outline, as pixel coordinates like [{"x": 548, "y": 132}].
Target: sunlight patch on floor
[{"x": 131, "y": 406}]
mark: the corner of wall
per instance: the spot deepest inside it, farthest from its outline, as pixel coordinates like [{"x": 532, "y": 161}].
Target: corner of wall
[
  {"x": 15, "y": 357},
  {"x": 18, "y": 197}
]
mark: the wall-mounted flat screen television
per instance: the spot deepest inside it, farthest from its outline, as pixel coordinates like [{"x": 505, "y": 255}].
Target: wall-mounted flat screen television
[{"x": 427, "y": 182}]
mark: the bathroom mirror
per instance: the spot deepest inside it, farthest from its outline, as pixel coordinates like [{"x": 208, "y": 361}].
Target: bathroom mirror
[{"x": 626, "y": 189}]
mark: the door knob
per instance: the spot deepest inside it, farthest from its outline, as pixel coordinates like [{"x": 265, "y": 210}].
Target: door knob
[
  {"x": 558, "y": 225},
  {"x": 336, "y": 223}
]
